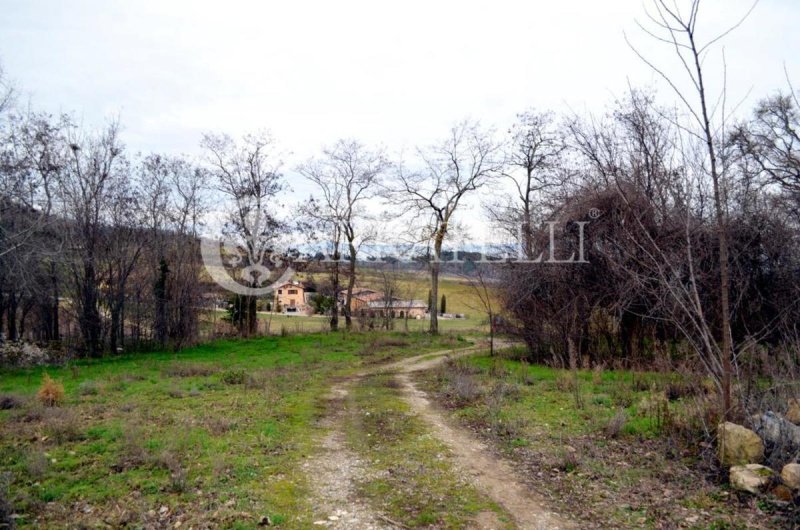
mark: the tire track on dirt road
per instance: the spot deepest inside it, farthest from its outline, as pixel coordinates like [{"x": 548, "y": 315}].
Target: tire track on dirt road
[
  {"x": 493, "y": 476},
  {"x": 335, "y": 469}
]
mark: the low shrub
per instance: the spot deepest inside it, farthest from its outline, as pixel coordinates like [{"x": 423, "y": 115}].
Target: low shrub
[
  {"x": 178, "y": 480},
  {"x": 568, "y": 461},
  {"x": 88, "y": 388},
  {"x": 219, "y": 425},
  {"x": 463, "y": 389},
  {"x": 566, "y": 381},
  {"x": 234, "y": 377},
  {"x": 62, "y": 425},
  {"x": 51, "y": 393},
  {"x": 616, "y": 424},
  {"x": 132, "y": 452},
  {"x": 36, "y": 464}
]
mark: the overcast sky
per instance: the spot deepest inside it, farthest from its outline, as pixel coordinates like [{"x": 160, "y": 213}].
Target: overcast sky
[{"x": 312, "y": 72}]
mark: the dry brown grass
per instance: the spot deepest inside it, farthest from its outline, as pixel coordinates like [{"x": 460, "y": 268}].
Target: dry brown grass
[
  {"x": 51, "y": 393},
  {"x": 190, "y": 370}
]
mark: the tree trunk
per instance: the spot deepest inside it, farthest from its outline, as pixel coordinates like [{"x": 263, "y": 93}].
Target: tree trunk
[
  {"x": 435, "y": 267},
  {"x": 335, "y": 286},
  {"x": 722, "y": 236},
  {"x": 90, "y": 318},
  {"x": 160, "y": 292},
  {"x": 11, "y": 316},
  {"x": 351, "y": 282}
]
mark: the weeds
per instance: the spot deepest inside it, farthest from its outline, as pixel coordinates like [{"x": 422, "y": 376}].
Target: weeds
[
  {"x": 568, "y": 461},
  {"x": 190, "y": 370},
  {"x": 234, "y": 377},
  {"x": 464, "y": 389},
  {"x": 616, "y": 424},
  {"x": 219, "y": 425},
  {"x": 132, "y": 451},
  {"x": 62, "y": 425},
  {"x": 36, "y": 464},
  {"x": 88, "y": 388},
  {"x": 178, "y": 482}
]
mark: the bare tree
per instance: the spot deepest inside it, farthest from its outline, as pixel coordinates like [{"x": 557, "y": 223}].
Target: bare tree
[
  {"x": 248, "y": 175},
  {"x": 678, "y": 29},
  {"x": 533, "y": 166},
  {"x": 86, "y": 187},
  {"x": 346, "y": 177},
  {"x": 432, "y": 193}
]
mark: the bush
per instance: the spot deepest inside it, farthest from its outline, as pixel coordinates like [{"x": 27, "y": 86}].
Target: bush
[
  {"x": 178, "y": 481},
  {"x": 219, "y": 425},
  {"x": 62, "y": 425},
  {"x": 132, "y": 451},
  {"x": 36, "y": 465},
  {"x": 234, "y": 377},
  {"x": 616, "y": 424},
  {"x": 568, "y": 461},
  {"x": 464, "y": 389},
  {"x": 88, "y": 388},
  {"x": 51, "y": 393},
  {"x": 23, "y": 354}
]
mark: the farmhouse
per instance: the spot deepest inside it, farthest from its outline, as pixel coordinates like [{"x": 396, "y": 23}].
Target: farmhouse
[
  {"x": 292, "y": 297},
  {"x": 362, "y": 296},
  {"x": 396, "y": 308}
]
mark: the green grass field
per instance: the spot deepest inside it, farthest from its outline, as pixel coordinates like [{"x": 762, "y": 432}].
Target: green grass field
[
  {"x": 214, "y": 435},
  {"x": 614, "y": 446}
]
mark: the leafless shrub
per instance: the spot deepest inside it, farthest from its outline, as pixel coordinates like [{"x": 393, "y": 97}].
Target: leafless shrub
[
  {"x": 30, "y": 411},
  {"x": 621, "y": 395},
  {"x": 234, "y": 376},
  {"x": 616, "y": 424},
  {"x": 498, "y": 369},
  {"x": 568, "y": 460},
  {"x": 88, "y": 388},
  {"x": 463, "y": 389},
  {"x": 190, "y": 370},
  {"x": 62, "y": 425},
  {"x": 36, "y": 464},
  {"x": 132, "y": 451},
  {"x": 178, "y": 481},
  {"x": 219, "y": 425},
  {"x": 566, "y": 381}
]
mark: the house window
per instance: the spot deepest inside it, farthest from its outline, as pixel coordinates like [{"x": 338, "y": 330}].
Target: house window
[
  {"x": 291, "y": 291},
  {"x": 280, "y": 291}
]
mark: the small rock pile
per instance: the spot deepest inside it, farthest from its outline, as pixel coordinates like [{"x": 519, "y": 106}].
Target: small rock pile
[{"x": 743, "y": 451}]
